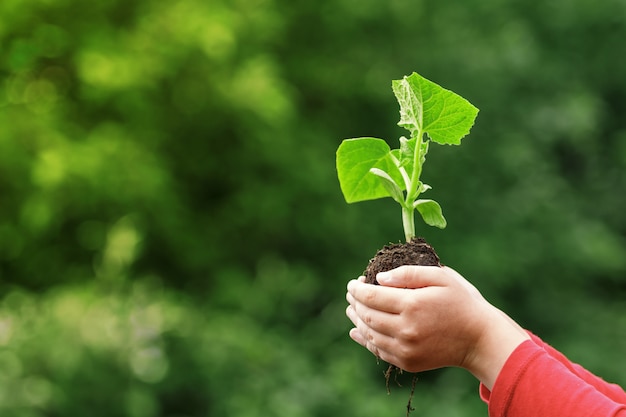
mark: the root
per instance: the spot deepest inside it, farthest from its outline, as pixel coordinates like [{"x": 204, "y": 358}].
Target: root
[
  {"x": 409, "y": 405},
  {"x": 397, "y": 371}
]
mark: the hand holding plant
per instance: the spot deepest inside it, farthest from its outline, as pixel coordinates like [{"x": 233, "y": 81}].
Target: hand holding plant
[{"x": 369, "y": 169}]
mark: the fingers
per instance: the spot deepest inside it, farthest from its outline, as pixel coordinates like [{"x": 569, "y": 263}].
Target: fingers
[
  {"x": 420, "y": 317},
  {"x": 375, "y": 296},
  {"x": 373, "y": 328},
  {"x": 370, "y": 321},
  {"x": 413, "y": 276},
  {"x": 377, "y": 343},
  {"x": 364, "y": 335}
]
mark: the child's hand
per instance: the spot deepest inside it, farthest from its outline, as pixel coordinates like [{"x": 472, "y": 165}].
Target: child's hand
[{"x": 423, "y": 317}]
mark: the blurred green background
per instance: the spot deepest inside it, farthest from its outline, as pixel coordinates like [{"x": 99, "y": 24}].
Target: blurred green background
[{"x": 173, "y": 240}]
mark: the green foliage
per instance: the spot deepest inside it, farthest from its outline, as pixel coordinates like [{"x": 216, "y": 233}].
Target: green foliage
[
  {"x": 172, "y": 239},
  {"x": 426, "y": 108},
  {"x": 356, "y": 160},
  {"x": 368, "y": 169}
]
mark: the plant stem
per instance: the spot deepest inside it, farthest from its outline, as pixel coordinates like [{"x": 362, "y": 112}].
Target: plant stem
[
  {"x": 413, "y": 191},
  {"x": 408, "y": 222}
]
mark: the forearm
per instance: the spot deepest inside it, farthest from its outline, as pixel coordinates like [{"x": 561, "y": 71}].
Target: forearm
[
  {"x": 535, "y": 383},
  {"x": 613, "y": 391}
]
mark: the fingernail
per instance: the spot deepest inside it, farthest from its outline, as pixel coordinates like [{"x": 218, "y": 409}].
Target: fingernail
[{"x": 383, "y": 277}]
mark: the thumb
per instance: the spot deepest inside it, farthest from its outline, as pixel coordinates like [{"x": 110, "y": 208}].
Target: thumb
[{"x": 413, "y": 276}]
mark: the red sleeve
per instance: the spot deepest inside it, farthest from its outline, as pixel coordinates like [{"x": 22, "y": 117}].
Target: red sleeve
[{"x": 539, "y": 381}]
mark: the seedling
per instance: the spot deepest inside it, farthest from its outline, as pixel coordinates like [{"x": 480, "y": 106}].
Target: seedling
[{"x": 369, "y": 169}]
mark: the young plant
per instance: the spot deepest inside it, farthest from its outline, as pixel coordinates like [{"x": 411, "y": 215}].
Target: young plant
[{"x": 369, "y": 169}]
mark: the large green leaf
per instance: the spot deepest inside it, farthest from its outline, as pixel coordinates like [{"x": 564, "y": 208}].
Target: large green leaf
[
  {"x": 429, "y": 108},
  {"x": 355, "y": 158}
]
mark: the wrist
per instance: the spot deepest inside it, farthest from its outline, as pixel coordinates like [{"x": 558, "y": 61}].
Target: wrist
[{"x": 494, "y": 346}]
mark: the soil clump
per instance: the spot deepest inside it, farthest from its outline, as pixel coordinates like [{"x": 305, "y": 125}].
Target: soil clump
[{"x": 415, "y": 252}]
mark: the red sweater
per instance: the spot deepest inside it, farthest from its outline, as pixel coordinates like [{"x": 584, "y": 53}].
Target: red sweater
[{"x": 539, "y": 381}]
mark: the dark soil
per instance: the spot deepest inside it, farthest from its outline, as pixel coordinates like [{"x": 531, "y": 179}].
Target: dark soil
[{"x": 415, "y": 252}]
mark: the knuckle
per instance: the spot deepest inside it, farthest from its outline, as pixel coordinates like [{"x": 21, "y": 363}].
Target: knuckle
[
  {"x": 409, "y": 334},
  {"x": 406, "y": 352},
  {"x": 373, "y": 348},
  {"x": 409, "y": 358},
  {"x": 369, "y": 297},
  {"x": 367, "y": 319},
  {"x": 412, "y": 305}
]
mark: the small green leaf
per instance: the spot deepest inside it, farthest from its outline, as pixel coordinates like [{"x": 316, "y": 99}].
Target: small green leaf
[
  {"x": 429, "y": 108},
  {"x": 431, "y": 213},
  {"x": 392, "y": 187},
  {"x": 407, "y": 152},
  {"x": 424, "y": 187},
  {"x": 355, "y": 158},
  {"x": 423, "y": 151}
]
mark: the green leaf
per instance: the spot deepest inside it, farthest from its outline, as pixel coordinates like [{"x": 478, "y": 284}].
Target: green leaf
[
  {"x": 431, "y": 213},
  {"x": 355, "y": 159},
  {"x": 392, "y": 187},
  {"x": 407, "y": 152},
  {"x": 411, "y": 109},
  {"x": 428, "y": 108}
]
